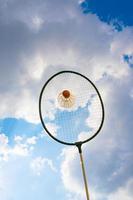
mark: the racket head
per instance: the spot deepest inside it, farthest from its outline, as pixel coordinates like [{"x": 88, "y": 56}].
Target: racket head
[{"x": 47, "y": 97}]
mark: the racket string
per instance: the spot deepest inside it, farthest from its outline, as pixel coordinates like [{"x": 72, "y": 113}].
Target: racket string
[{"x": 84, "y": 116}]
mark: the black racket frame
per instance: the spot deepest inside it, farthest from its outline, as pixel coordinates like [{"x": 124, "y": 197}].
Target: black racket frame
[{"x": 78, "y": 144}]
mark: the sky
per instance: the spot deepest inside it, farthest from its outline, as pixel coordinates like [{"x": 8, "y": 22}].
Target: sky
[{"x": 37, "y": 40}]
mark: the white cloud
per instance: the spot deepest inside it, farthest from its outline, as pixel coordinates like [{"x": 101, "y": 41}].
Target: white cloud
[
  {"x": 18, "y": 162},
  {"x": 121, "y": 44},
  {"x": 34, "y": 65},
  {"x": 18, "y": 138},
  {"x": 37, "y": 22},
  {"x": 73, "y": 181},
  {"x": 20, "y": 148},
  {"x": 67, "y": 40},
  {"x": 124, "y": 192},
  {"x": 72, "y": 177},
  {"x": 31, "y": 140},
  {"x": 69, "y": 170},
  {"x": 3, "y": 139},
  {"x": 4, "y": 151},
  {"x": 105, "y": 157},
  {"x": 38, "y": 164}
]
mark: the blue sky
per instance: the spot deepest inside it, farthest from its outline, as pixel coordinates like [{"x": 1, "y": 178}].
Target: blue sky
[
  {"x": 38, "y": 39},
  {"x": 120, "y": 11}
]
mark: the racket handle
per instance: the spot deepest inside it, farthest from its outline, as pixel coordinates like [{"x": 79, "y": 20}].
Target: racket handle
[{"x": 83, "y": 170}]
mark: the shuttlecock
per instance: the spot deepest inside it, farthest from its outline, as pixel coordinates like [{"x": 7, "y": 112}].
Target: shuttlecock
[{"x": 66, "y": 99}]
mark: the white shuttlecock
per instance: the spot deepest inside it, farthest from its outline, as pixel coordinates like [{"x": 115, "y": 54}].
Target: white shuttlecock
[{"x": 66, "y": 99}]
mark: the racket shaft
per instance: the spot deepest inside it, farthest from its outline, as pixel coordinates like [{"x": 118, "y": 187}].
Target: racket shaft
[{"x": 84, "y": 176}]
